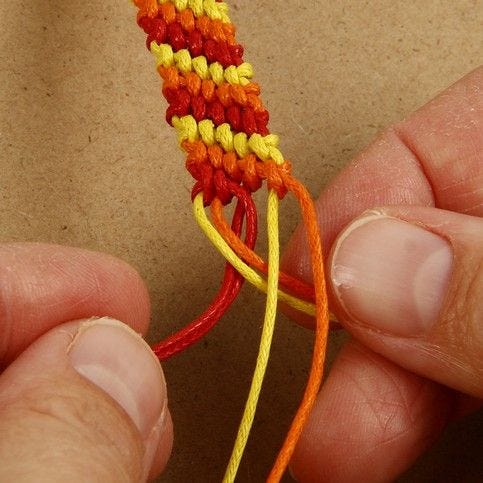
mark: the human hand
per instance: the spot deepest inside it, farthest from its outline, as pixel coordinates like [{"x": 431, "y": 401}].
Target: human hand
[
  {"x": 57, "y": 421},
  {"x": 374, "y": 411},
  {"x": 406, "y": 280}
]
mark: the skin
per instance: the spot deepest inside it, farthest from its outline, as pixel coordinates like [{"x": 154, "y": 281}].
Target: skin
[
  {"x": 387, "y": 397},
  {"x": 45, "y": 292}
]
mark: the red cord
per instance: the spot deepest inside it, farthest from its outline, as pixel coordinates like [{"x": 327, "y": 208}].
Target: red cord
[{"x": 232, "y": 280}]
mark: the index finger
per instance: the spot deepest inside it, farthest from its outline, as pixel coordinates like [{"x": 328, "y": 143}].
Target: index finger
[{"x": 42, "y": 286}]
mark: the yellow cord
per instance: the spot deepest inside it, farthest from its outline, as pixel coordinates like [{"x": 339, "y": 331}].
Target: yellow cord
[
  {"x": 182, "y": 60},
  {"x": 265, "y": 342},
  {"x": 179, "y": 65},
  {"x": 265, "y": 147},
  {"x": 213, "y": 9},
  {"x": 247, "y": 272}
]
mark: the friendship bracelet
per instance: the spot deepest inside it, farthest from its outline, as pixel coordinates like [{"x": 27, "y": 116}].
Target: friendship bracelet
[{"x": 222, "y": 126}]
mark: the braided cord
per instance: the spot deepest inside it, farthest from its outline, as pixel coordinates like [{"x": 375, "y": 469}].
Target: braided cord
[{"x": 222, "y": 126}]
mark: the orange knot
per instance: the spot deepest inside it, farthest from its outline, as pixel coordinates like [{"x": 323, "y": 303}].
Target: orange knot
[
  {"x": 203, "y": 162},
  {"x": 213, "y": 183},
  {"x": 147, "y": 8},
  {"x": 274, "y": 174}
]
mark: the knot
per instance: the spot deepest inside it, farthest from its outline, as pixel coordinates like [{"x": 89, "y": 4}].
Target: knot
[
  {"x": 215, "y": 29},
  {"x": 147, "y": 8},
  {"x": 180, "y": 30},
  {"x": 183, "y": 60},
  {"x": 213, "y": 183},
  {"x": 266, "y": 147},
  {"x": 274, "y": 174},
  {"x": 216, "y": 10},
  {"x": 213, "y": 9},
  {"x": 248, "y": 171},
  {"x": 239, "y": 74},
  {"x": 251, "y": 178}
]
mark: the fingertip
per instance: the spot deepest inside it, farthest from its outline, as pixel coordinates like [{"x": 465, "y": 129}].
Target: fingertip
[
  {"x": 117, "y": 360},
  {"x": 370, "y": 421},
  {"x": 119, "y": 291},
  {"x": 390, "y": 275},
  {"x": 133, "y": 301},
  {"x": 97, "y": 388},
  {"x": 162, "y": 446},
  {"x": 81, "y": 284}
]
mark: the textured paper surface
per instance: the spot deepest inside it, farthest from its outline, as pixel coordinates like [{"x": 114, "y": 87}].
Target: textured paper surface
[{"x": 86, "y": 159}]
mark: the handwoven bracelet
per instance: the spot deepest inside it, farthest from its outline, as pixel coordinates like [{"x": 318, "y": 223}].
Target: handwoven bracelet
[{"x": 222, "y": 126}]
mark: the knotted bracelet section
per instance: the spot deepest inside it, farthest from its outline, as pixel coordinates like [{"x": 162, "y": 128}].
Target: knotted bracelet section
[{"x": 222, "y": 126}]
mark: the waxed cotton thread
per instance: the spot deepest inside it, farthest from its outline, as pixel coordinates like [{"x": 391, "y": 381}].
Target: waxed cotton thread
[{"x": 222, "y": 126}]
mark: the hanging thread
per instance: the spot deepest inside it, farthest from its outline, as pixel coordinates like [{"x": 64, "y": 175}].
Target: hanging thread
[{"x": 222, "y": 126}]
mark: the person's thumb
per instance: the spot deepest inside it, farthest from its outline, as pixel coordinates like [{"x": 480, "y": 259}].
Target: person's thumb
[
  {"x": 408, "y": 282},
  {"x": 86, "y": 402}
]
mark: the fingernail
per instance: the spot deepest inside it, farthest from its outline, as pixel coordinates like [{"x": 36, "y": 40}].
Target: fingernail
[
  {"x": 116, "y": 359},
  {"x": 391, "y": 274},
  {"x": 152, "y": 444}
]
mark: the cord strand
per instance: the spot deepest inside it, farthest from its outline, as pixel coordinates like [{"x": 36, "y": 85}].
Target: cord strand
[
  {"x": 321, "y": 329},
  {"x": 265, "y": 342}
]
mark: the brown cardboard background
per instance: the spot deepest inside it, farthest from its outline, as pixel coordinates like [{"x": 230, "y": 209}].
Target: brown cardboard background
[{"x": 87, "y": 160}]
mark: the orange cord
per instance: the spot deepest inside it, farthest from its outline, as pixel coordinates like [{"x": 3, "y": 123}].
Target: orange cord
[
  {"x": 296, "y": 286},
  {"x": 299, "y": 288},
  {"x": 242, "y": 109},
  {"x": 321, "y": 330}
]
